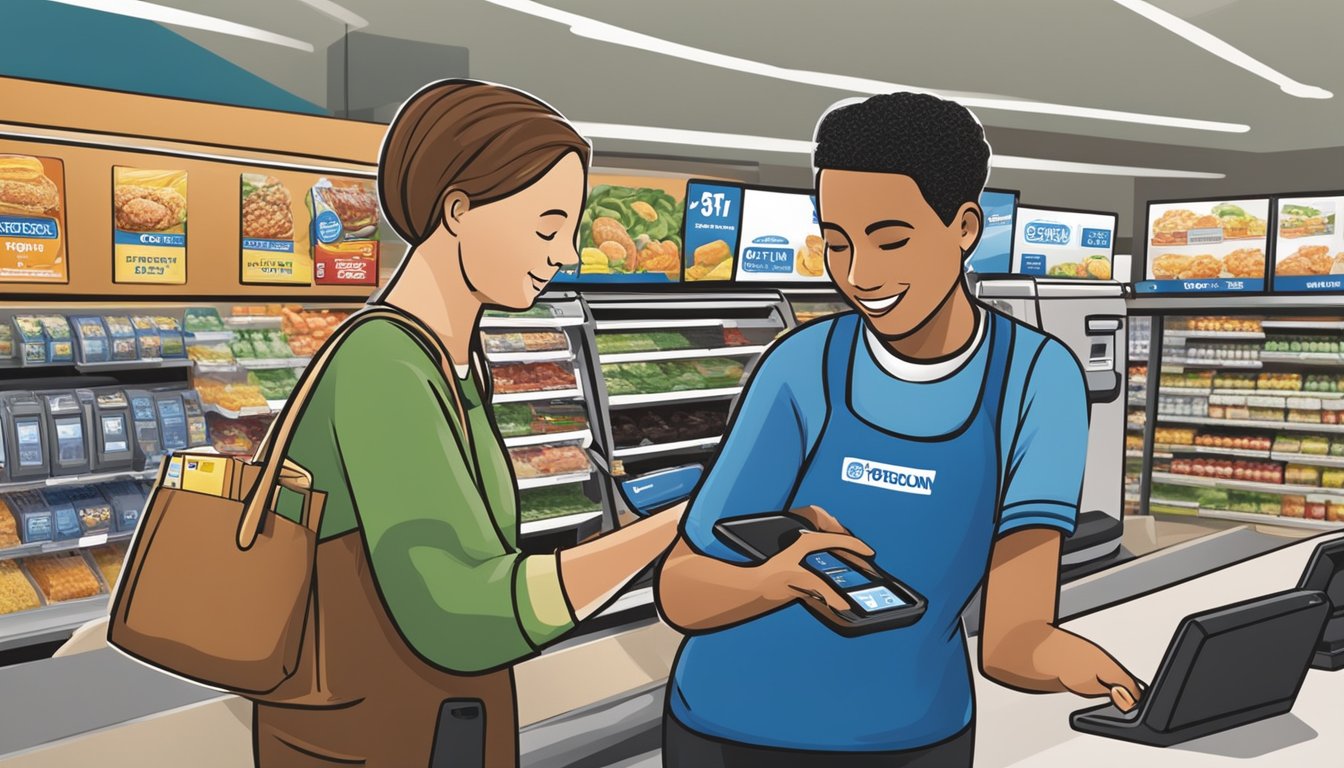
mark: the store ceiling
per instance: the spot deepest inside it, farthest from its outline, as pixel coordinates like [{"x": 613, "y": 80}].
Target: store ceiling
[{"x": 1092, "y": 54}]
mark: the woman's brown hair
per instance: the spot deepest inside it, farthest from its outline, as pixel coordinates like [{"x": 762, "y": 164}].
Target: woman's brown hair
[{"x": 486, "y": 140}]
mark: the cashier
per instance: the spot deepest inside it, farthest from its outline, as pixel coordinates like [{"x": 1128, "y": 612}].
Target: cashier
[{"x": 923, "y": 381}]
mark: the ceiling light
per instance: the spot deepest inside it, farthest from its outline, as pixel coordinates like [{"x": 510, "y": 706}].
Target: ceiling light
[
  {"x": 1224, "y": 50},
  {"x": 344, "y": 15},
  {"x": 607, "y": 33},
  {"x": 165, "y": 15},
  {"x": 802, "y": 147}
]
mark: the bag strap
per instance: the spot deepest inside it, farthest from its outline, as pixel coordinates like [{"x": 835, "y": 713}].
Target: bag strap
[{"x": 271, "y": 451}]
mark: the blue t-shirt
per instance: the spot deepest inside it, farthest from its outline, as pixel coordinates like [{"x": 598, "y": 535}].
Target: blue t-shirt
[{"x": 1043, "y": 444}]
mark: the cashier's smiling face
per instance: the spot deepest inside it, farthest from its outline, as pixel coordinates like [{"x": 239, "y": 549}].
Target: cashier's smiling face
[
  {"x": 888, "y": 251},
  {"x": 511, "y": 248}
]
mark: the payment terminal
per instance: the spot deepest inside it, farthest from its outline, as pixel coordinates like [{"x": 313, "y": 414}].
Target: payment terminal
[
  {"x": 877, "y": 600},
  {"x": 109, "y": 414},
  {"x": 147, "y": 446},
  {"x": 25, "y": 435},
  {"x": 66, "y": 433},
  {"x": 197, "y": 434},
  {"x": 172, "y": 420}
]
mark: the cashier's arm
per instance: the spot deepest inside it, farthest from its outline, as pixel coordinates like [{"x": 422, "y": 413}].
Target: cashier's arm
[{"x": 1020, "y": 646}]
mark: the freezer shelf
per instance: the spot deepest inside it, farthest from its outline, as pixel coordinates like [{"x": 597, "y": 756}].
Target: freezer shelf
[
  {"x": 560, "y": 522},
  {"x": 1286, "y": 522},
  {"x": 54, "y": 482},
  {"x": 583, "y": 437},
  {"x": 1245, "y": 485},
  {"x": 680, "y": 354},
  {"x": 660, "y": 448},
  {"x": 557, "y": 356},
  {"x": 1235, "y": 364},
  {"x": 658, "y": 398},
  {"x": 50, "y": 622},
  {"x": 544, "y": 394},
  {"x": 50, "y": 547},
  {"x": 551, "y": 481},
  {"x": 1290, "y": 426},
  {"x": 1241, "y": 335}
]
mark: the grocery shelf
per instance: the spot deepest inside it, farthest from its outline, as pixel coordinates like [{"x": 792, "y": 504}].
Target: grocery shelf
[
  {"x": 205, "y": 367},
  {"x": 49, "y": 623},
  {"x": 1303, "y": 358},
  {"x": 1207, "y": 450},
  {"x": 550, "y": 356},
  {"x": 529, "y": 527},
  {"x": 1196, "y": 392},
  {"x": 1211, "y": 363},
  {"x": 681, "y": 354},
  {"x": 1238, "y": 335},
  {"x": 268, "y": 322},
  {"x": 48, "y": 547},
  {"x": 1301, "y": 325},
  {"x": 1134, "y": 427},
  {"x": 267, "y": 363},
  {"x": 1286, "y": 522},
  {"x": 660, "y": 448},
  {"x": 157, "y": 363},
  {"x": 1191, "y": 505},
  {"x": 530, "y": 322},
  {"x": 574, "y": 393},
  {"x": 208, "y": 337},
  {"x": 658, "y": 398},
  {"x": 1294, "y": 426},
  {"x": 585, "y": 436},
  {"x": 90, "y": 479},
  {"x": 245, "y": 411},
  {"x": 1244, "y": 485},
  {"x": 550, "y": 481},
  {"x": 275, "y": 405},
  {"x": 1131, "y": 454},
  {"x": 1190, "y": 391},
  {"x": 1307, "y": 458},
  {"x": 670, "y": 322}
]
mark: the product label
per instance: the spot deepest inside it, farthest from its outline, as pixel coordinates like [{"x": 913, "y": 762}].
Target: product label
[
  {"x": 344, "y": 215},
  {"x": 1206, "y": 247},
  {"x": 713, "y": 212},
  {"x": 888, "y": 477},
  {"x": 274, "y": 247},
  {"x": 149, "y": 241},
  {"x": 1064, "y": 244},
  {"x": 32, "y": 220},
  {"x": 781, "y": 238}
]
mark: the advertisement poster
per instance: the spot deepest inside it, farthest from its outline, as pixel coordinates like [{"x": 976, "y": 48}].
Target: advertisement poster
[
  {"x": 344, "y": 231},
  {"x": 994, "y": 254},
  {"x": 1213, "y": 246},
  {"x": 1075, "y": 245},
  {"x": 713, "y": 212},
  {"x": 630, "y": 231},
  {"x": 149, "y": 215},
  {"x": 32, "y": 220},
  {"x": 274, "y": 246},
  {"x": 1309, "y": 249},
  {"x": 781, "y": 238}
]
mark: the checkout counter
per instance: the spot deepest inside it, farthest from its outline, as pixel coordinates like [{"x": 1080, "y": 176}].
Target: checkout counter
[{"x": 598, "y": 698}]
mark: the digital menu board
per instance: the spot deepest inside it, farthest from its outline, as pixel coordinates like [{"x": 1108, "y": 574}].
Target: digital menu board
[
  {"x": 1308, "y": 244},
  {"x": 994, "y": 254},
  {"x": 630, "y": 232},
  {"x": 710, "y": 234},
  {"x": 1063, "y": 243},
  {"x": 780, "y": 238},
  {"x": 1213, "y": 246}
]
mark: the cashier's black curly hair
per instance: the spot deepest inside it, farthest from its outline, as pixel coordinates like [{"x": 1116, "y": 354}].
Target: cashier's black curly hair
[{"x": 937, "y": 143}]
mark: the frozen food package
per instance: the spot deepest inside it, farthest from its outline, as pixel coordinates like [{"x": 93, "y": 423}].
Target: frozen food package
[
  {"x": 541, "y": 461},
  {"x": 16, "y": 591},
  {"x": 63, "y": 576},
  {"x": 531, "y": 377}
]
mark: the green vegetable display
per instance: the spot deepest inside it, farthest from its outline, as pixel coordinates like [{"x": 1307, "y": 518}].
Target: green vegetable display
[
  {"x": 618, "y": 203},
  {"x": 543, "y": 503},
  {"x": 613, "y": 343}
]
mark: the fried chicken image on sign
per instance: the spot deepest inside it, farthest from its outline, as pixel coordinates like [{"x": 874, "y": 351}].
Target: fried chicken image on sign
[
  {"x": 148, "y": 209},
  {"x": 25, "y": 188},
  {"x": 1203, "y": 267},
  {"x": 1169, "y": 266},
  {"x": 1308, "y": 260},
  {"x": 267, "y": 213},
  {"x": 1245, "y": 262}
]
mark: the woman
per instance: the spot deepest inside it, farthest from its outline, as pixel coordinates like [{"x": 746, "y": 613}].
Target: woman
[{"x": 422, "y": 595}]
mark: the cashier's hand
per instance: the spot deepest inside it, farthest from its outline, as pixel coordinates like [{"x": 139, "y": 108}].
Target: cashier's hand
[
  {"x": 1099, "y": 675},
  {"x": 784, "y": 578}
]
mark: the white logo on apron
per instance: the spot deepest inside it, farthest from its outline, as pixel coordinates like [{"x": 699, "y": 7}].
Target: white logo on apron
[{"x": 888, "y": 477}]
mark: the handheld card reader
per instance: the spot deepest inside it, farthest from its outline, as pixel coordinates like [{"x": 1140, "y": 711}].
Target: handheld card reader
[
  {"x": 108, "y": 413},
  {"x": 1325, "y": 573},
  {"x": 172, "y": 420},
  {"x": 66, "y": 433},
  {"x": 26, "y": 436},
  {"x": 197, "y": 434},
  {"x": 145, "y": 430},
  {"x": 877, "y": 601},
  {"x": 659, "y": 490}
]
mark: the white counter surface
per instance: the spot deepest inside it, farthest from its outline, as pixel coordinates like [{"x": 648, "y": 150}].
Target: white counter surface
[{"x": 1015, "y": 729}]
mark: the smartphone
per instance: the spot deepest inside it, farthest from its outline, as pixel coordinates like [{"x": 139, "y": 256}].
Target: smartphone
[
  {"x": 877, "y": 600},
  {"x": 459, "y": 740}
]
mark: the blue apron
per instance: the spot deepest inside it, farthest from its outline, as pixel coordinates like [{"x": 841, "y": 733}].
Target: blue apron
[{"x": 928, "y": 506}]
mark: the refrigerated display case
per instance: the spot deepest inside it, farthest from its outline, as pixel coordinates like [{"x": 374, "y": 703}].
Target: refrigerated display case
[
  {"x": 1140, "y": 337},
  {"x": 672, "y": 366}
]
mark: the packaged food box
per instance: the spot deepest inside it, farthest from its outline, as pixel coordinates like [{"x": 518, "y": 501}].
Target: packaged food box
[
  {"x": 1298, "y": 416},
  {"x": 147, "y": 339},
  {"x": 92, "y": 510},
  {"x": 231, "y": 396},
  {"x": 32, "y": 341},
  {"x": 17, "y": 593},
  {"x": 1332, "y": 478},
  {"x": 1334, "y": 511},
  {"x": 127, "y": 500},
  {"x": 173, "y": 342},
  {"x": 121, "y": 337},
  {"x": 1287, "y": 444},
  {"x": 6, "y": 342},
  {"x": 1315, "y": 445},
  {"x": 1315, "y": 509},
  {"x": 1300, "y": 474},
  {"x": 216, "y": 353},
  {"x": 64, "y": 517},
  {"x": 512, "y": 343},
  {"x": 94, "y": 344},
  {"x": 33, "y": 516},
  {"x": 1337, "y": 447},
  {"x": 202, "y": 320},
  {"x": 63, "y": 576},
  {"x": 531, "y": 377},
  {"x": 1293, "y": 506},
  {"x": 109, "y": 559},
  {"x": 542, "y": 461}
]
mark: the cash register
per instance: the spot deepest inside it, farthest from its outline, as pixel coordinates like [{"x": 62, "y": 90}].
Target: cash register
[
  {"x": 22, "y": 416},
  {"x": 108, "y": 414},
  {"x": 67, "y": 433}
]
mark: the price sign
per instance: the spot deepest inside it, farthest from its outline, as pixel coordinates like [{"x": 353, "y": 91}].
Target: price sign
[{"x": 713, "y": 212}]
